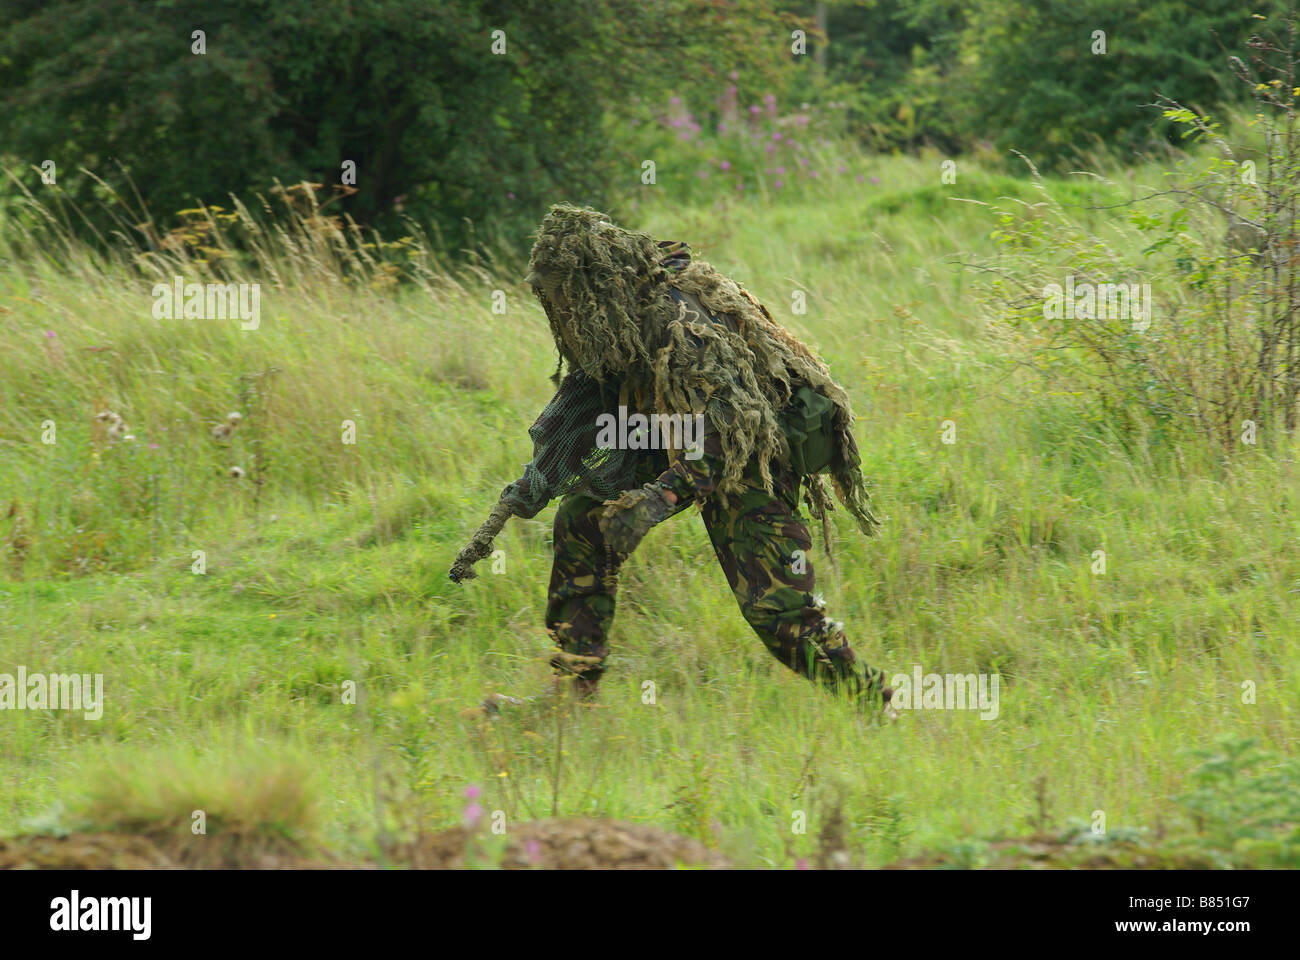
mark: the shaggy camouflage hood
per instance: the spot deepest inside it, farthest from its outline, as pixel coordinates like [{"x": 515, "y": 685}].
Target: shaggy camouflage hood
[{"x": 608, "y": 296}]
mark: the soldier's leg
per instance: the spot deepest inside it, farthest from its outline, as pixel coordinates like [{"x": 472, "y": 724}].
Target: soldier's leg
[
  {"x": 765, "y": 550},
  {"x": 584, "y": 584}
]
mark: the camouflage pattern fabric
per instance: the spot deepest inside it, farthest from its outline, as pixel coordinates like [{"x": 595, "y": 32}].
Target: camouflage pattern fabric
[{"x": 755, "y": 536}]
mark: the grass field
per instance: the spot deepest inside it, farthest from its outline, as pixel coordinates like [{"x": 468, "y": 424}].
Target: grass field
[{"x": 229, "y": 691}]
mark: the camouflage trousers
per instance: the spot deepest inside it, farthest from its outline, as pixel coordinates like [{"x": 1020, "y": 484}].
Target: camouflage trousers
[{"x": 764, "y": 548}]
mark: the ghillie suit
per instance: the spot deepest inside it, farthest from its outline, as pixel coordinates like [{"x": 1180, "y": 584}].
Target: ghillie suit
[{"x": 641, "y": 325}]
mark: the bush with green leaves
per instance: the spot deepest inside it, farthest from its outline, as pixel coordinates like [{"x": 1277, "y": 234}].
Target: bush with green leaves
[
  {"x": 1186, "y": 320},
  {"x": 1056, "y": 80},
  {"x": 1245, "y": 805},
  {"x": 890, "y": 63},
  {"x": 466, "y": 111},
  {"x": 1063, "y": 78}
]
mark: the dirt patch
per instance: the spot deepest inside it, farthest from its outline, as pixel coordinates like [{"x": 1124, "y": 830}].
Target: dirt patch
[
  {"x": 568, "y": 844},
  {"x": 1045, "y": 852},
  {"x": 565, "y": 844},
  {"x": 83, "y": 851},
  {"x": 127, "y": 851}
]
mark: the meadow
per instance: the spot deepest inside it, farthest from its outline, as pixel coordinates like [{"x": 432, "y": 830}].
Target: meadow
[{"x": 281, "y": 647}]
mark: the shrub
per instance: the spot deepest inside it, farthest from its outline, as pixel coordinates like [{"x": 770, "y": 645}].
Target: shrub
[{"x": 1210, "y": 344}]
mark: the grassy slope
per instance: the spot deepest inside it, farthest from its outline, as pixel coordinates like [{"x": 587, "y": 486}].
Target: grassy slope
[{"x": 340, "y": 573}]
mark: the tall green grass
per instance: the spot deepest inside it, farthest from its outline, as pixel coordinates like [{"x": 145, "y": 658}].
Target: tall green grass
[{"x": 335, "y": 572}]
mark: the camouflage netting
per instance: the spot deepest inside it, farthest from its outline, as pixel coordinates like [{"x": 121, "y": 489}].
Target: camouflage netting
[
  {"x": 624, "y": 338},
  {"x": 565, "y": 455},
  {"x": 565, "y": 459}
]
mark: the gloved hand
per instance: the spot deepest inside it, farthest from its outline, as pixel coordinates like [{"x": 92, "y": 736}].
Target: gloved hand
[{"x": 626, "y": 520}]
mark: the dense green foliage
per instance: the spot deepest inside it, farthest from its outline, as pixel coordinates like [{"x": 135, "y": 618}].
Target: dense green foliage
[
  {"x": 1027, "y": 74},
  {"x": 438, "y": 125},
  {"x": 444, "y": 130}
]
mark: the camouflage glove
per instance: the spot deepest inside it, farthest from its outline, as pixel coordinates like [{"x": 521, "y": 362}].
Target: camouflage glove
[{"x": 626, "y": 520}]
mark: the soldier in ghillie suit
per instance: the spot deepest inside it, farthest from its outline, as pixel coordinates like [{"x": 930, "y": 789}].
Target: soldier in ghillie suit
[{"x": 644, "y": 326}]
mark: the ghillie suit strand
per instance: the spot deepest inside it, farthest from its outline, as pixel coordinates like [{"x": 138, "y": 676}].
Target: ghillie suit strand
[{"x": 612, "y": 300}]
